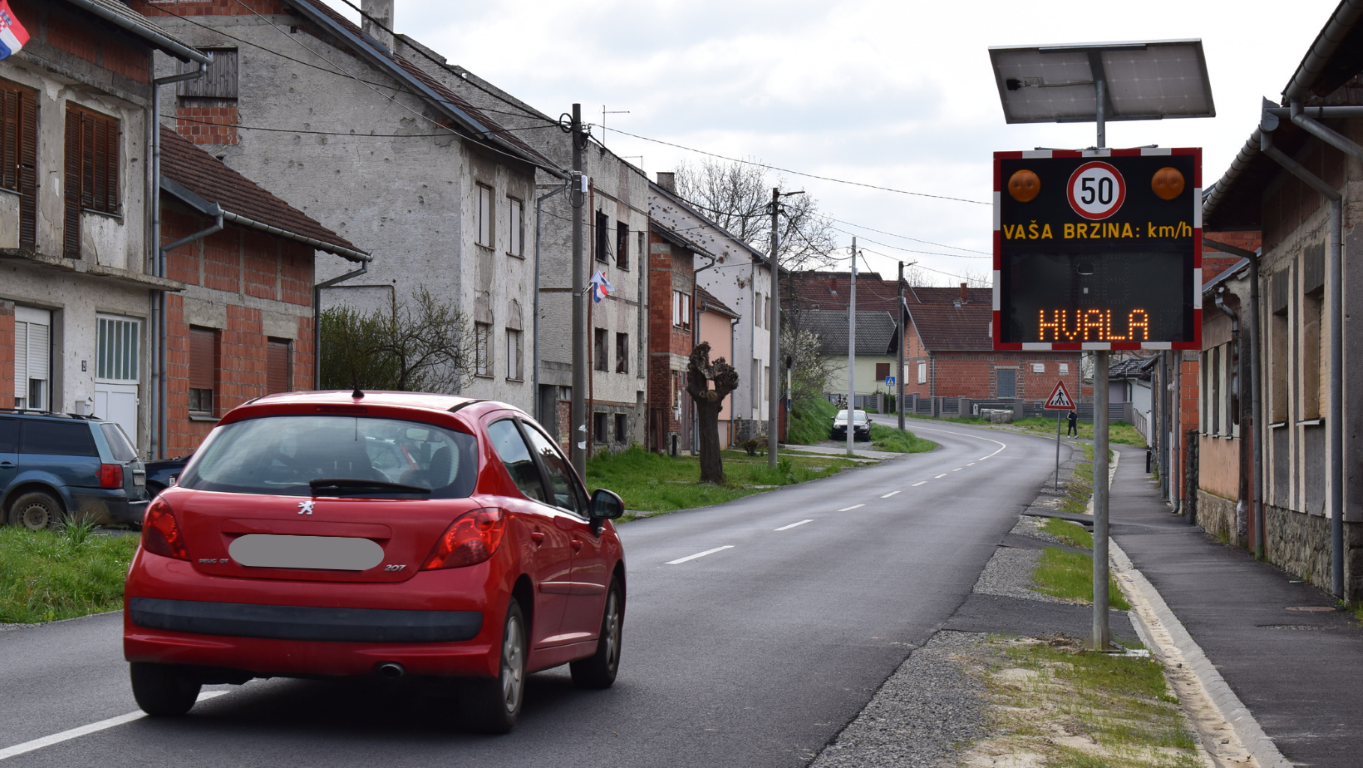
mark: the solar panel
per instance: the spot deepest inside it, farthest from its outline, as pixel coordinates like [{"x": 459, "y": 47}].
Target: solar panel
[{"x": 1144, "y": 81}]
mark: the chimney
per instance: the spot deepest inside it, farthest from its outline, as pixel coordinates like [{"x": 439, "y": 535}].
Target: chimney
[
  {"x": 381, "y": 11},
  {"x": 965, "y": 294},
  {"x": 668, "y": 181}
]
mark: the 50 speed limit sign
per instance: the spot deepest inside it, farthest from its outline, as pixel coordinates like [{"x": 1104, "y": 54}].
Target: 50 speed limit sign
[{"x": 1096, "y": 190}]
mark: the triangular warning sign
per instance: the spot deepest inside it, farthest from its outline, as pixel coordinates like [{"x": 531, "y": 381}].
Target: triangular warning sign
[{"x": 1060, "y": 399}]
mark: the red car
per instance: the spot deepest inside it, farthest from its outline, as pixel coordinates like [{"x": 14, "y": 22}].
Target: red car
[{"x": 341, "y": 534}]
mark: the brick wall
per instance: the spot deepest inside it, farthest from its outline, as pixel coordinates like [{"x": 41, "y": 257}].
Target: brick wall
[
  {"x": 6, "y": 354},
  {"x": 972, "y": 374},
  {"x": 94, "y": 41},
  {"x": 240, "y": 266},
  {"x": 666, "y": 265},
  {"x": 1215, "y": 262},
  {"x": 203, "y": 124},
  {"x": 207, "y": 7}
]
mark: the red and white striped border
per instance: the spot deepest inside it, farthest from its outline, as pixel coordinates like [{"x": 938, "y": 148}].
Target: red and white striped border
[{"x": 1046, "y": 346}]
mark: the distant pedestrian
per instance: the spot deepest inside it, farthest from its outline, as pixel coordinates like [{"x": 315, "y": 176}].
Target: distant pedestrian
[{"x": 1073, "y": 420}]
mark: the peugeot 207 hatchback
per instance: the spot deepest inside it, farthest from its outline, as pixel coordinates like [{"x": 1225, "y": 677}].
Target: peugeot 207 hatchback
[{"x": 326, "y": 534}]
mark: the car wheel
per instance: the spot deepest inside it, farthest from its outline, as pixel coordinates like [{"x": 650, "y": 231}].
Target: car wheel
[
  {"x": 493, "y": 705},
  {"x": 37, "y": 510},
  {"x": 162, "y": 690},
  {"x": 598, "y": 670}
]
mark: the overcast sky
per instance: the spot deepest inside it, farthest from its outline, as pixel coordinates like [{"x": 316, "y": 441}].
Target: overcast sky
[{"x": 896, "y": 94}]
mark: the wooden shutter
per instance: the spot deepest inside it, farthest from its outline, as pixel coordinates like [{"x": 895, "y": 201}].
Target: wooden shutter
[
  {"x": 111, "y": 195},
  {"x": 882, "y": 371},
  {"x": 87, "y": 160},
  {"x": 9, "y": 139},
  {"x": 277, "y": 367},
  {"x": 71, "y": 233},
  {"x": 200, "y": 358},
  {"x": 28, "y": 170}
]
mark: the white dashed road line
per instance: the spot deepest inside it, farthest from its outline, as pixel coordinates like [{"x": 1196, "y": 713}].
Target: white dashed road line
[
  {"x": 688, "y": 558},
  {"x": 888, "y": 495},
  {"x": 958, "y": 469},
  {"x": 84, "y": 730},
  {"x": 939, "y": 477},
  {"x": 849, "y": 509},
  {"x": 793, "y": 525},
  {"x": 915, "y": 485}
]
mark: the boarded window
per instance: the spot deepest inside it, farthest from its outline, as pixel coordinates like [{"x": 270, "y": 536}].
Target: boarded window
[
  {"x": 600, "y": 360},
  {"x": 219, "y": 80},
  {"x": 622, "y": 353},
  {"x": 513, "y": 355},
  {"x": 482, "y": 349},
  {"x": 202, "y": 370},
  {"x": 277, "y": 366},
  {"x": 91, "y": 171},
  {"x": 1007, "y": 382},
  {"x": 622, "y": 244},
  {"x": 19, "y": 155}
]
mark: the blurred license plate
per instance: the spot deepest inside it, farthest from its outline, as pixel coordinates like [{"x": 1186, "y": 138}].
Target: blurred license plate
[
  {"x": 139, "y": 478},
  {"x": 327, "y": 553}
]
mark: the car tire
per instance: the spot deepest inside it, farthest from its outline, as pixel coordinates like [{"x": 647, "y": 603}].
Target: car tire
[
  {"x": 37, "y": 510},
  {"x": 163, "y": 690},
  {"x": 492, "y": 705},
  {"x": 598, "y": 670}
]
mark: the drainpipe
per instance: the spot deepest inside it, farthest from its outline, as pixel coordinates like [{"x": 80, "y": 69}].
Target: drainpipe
[
  {"x": 1234, "y": 365},
  {"x": 158, "y": 259},
  {"x": 535, "y": 355},
  {"x": 1255, "y": 404},
  {"x": 161, "y": 392},
  {"x": 1335, "y": 419},
  {"x": 317, "y": 319}
]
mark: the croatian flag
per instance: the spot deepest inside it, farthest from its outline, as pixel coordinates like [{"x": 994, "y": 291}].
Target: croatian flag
[
  {"x": 12, "y": 33},
  {"x": 601, "y": 287}
]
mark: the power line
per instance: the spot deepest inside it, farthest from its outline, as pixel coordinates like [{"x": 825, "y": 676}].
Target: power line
[
  {"x": 910, "y": 250},
  {"x": 333, "y": 133},
  {"x": 905, "y": 237},
  {"x": 799, "y": 173}
]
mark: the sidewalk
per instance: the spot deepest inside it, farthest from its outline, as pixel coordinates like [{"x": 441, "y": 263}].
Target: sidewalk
[{"x": 1296, "y": 667}]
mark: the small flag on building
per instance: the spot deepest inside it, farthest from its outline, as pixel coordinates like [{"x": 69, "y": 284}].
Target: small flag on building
[
  {"x": 601, "y": 287},
  {"x": 12, "y": 33}
]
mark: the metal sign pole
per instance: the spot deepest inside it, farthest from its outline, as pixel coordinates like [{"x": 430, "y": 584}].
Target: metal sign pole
[
  {"x": 1059, "y": 416},
  {"x": 1102, "y": 634}
]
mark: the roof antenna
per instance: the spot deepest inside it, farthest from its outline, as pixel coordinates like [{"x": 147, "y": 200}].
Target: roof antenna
[{"x": 357, "y": 394}]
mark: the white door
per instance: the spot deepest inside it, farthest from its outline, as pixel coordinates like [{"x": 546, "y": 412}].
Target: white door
[{"x": 117, "y": 367}]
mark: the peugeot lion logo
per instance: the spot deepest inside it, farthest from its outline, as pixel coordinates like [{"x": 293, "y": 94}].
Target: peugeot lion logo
[{"x": 305, "y": 507}]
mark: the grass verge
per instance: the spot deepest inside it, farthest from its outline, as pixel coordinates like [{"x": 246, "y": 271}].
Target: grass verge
[
  {"x": 651, "y": 482},
  {"x": 1073, "y": 709},
  {"x": 1070, "y": 533},
  {"x": 49, "y": 576},
  {"x": 811, "y": 422},
  {"x": 892, "y": 440},
  {"x": 1069, "y": 576},
  {"x": 1118, "y": 431}
]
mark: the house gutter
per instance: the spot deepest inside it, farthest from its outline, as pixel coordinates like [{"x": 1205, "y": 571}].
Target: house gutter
[
  {"x": 161, "y": 388},
  {"x": 1327, "y": 43},
  {"x": 347, "y": 253},
  {"x": 1334, "y": 421},
  {"x": 1255, "y": 387},
  {"x": 535, "y": 355}
]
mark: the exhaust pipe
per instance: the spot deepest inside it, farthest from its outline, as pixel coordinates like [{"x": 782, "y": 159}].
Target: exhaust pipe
[{"x": 391, "y": 670}]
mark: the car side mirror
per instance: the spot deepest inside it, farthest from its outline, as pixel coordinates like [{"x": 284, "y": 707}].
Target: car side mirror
[{"x": 606, "y": 505}]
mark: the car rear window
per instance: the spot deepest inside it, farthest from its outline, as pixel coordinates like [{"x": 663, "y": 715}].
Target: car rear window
[
  {"x": 46, "y": 437},
  {"x": 119, "y": 444},
  {"x": 279, "y": 455}
]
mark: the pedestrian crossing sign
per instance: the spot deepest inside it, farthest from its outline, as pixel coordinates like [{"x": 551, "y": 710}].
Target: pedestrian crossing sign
[{"x": 1060, "y": 399}]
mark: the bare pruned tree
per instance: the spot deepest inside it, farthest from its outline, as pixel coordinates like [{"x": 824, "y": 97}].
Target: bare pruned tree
[
  {"x": 737, "y": 196},
  {"x": 700, "y": 371},
  {"x": 418, "y": 345}
]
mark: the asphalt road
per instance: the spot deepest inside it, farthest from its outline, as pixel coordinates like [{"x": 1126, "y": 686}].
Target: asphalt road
[{"x": 752, "y": 655}]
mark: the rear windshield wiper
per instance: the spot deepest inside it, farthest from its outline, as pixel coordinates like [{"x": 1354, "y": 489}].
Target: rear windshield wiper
[{"x": 348, "y": 483}]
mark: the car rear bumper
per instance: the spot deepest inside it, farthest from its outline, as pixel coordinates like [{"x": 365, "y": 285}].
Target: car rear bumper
[
  {"x": 107, "y": 506},
  {"x": 431, "y": 624}
]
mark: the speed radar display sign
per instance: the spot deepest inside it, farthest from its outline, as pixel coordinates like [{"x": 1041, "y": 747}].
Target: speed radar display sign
[{"x": 1098, "y": 249}]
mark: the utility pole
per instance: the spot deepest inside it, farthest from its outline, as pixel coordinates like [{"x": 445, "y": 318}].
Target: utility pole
[
  {"x": 852, "y": 356},
  {"x": 578, "y": 427},
  {"x": 1102, "y": 636},
  {"x": 774, "y": 377},
  {"x": 899, "y": 396}
]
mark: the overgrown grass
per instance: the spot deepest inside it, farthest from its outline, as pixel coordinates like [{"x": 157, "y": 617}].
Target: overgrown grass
[
  {"x": 1117, "y": 431},
  {"x": 811, "y": 422},
  {"x": 46, "y": 576},
  {"x": 891, "y": 439},
  {"x": 651, "y": 482},
  {"x": 1121, "y": 704},
  {"x": 1080, "y": 485},
  {"x": 1069, "y": 576},
  {"x": 1070, "y": 533}
]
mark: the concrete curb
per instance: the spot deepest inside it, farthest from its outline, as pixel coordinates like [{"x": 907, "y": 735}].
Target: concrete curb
[{"x": 1230, "y": 734}]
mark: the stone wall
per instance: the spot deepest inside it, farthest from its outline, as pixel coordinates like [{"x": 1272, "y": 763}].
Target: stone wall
[
  {"x": 1216, "y": 516},
  {"x": 1299, "y": 544}
]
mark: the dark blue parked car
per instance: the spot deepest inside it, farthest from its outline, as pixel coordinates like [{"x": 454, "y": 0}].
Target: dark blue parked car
[{"x": 55, "y": 467}]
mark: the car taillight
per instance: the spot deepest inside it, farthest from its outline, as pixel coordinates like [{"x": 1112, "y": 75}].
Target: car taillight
[
  {"x": 110, "y": 475},
  {"x": 160, "y": 532},
  {"x": 471, "y": 539}
]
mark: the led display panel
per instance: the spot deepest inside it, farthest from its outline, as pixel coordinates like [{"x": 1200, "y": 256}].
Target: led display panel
[{"x": 1098, "y": 249}]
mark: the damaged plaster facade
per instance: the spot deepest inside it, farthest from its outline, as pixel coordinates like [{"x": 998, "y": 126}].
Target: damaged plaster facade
[{"x": 389, "y": 171}]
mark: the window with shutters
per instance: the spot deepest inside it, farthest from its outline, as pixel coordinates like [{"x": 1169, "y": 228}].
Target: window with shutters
[
  {"x": 277, "y": 366},
  {"x": 882, "y": 371},
  {"x": 19, "y": 155},
  {"x": 91, "y": 171},
  {"x": 203, "y": 360},
  {"x": 482, "y": 349},
  {"x": 622, "y": 244},
  {"x": 514, "y": 370},
  {"x": 116, "y": 357},
  {"x": 32, "y": 358},
  {"x": 922, "y": 373},
  {"x": 516, "y": 242},
  {"x": 485, "y": 215}
]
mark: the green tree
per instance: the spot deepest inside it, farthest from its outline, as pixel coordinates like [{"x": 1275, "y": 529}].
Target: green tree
[{"x": 418, "y": 345}]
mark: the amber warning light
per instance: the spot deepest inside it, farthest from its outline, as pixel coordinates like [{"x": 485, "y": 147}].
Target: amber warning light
[{"x": 1098, "y": 249}]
